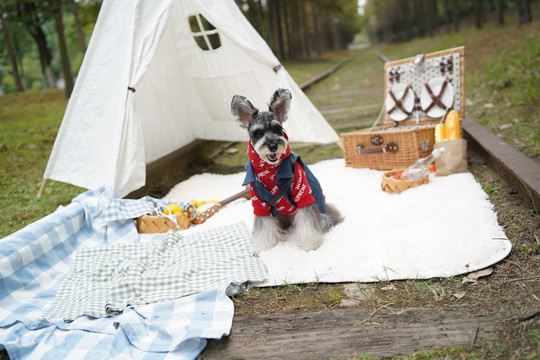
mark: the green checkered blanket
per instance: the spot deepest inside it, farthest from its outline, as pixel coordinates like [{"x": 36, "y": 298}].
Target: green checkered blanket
[{"x": 105, "y": 280}]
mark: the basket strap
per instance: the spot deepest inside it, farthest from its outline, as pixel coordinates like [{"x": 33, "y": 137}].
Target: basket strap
[
  {"x": 398, "y": 103},
  {"x": 390, "y": 147},
  {"x": 436, "y": 99}
]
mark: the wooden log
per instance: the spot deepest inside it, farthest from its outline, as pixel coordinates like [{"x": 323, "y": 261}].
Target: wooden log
[
  {"x": 350, "y": 332},
  {"x": 515, "y": 167}
]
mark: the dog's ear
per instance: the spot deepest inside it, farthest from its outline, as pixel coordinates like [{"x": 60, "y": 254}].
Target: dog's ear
[
  {"x": 280, "y": 103},
  {"x": 242, "y": 110}
]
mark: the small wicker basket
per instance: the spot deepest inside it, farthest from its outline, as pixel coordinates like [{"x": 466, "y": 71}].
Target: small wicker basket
[
  {"x": 394, "y": 186},
  {"x": 151, "y": 224}
]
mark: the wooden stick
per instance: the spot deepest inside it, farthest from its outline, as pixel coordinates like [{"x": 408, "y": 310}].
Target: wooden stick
[
  {"x": 42, "y": 188},
  {"x": 201, "y": 218}
]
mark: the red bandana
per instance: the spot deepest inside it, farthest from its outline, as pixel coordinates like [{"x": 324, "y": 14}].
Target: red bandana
[{"x": 266, "y": 173}]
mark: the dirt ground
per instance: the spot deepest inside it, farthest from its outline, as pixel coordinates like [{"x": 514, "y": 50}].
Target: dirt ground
[{"x": 511, "y": 292}]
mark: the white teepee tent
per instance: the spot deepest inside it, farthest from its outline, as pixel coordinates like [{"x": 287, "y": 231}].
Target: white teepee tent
[{"x": 158, "y": 75}]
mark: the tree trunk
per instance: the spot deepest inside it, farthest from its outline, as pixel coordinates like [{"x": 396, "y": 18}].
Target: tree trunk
[
  {"x": 80, "y": 33},
  {"x": 447, "y": 15},
  {"x": 478, "y": 13},
  {"x": 29, "y": 13},
  {"x": 433, "y": 17},
  {"x": 44, "y": 55},
  {"x": 252, "y": 16},
  {"x": 456, "y": 12},
  {"x": 64, "y": 58},
  {"x": 280, "y": 34},
  {"x": 499, "y": 8},
  {"x": 524, "y": 9},
  {"x": 284, "y": 15},
  {"x": 263, "y": 19},
  {"x": 306, "y": 29},
  {"x": 298, "y": 33},
  {"x": 405, "y": 14},
  {"x": 11, "y": 53},
  {"x": 317, "y": 32}
]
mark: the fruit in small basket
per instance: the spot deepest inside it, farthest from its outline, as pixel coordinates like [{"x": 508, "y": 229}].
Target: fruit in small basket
[
  {"x": 172, "y": 209},
  {"x": 398, "y": 175}
]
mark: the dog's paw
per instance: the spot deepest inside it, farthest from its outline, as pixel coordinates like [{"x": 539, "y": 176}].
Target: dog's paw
[
  {"x": 309, "y": 242},
  {"x": 262, "y": 242},
  {"x": 266, "y": 233}
]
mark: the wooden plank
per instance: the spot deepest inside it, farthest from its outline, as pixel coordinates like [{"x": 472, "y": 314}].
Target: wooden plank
[
  {"x": 515, "y": 167},
  {"x": 349, "y": 332}
]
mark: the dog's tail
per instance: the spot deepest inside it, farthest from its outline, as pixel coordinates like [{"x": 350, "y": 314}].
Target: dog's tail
[{"x": 331, "y": 217}]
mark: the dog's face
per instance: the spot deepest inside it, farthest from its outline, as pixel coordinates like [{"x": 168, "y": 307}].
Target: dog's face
[{"x": 265, "y": 128}]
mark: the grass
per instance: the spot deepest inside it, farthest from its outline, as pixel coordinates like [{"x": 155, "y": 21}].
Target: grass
[
  {"x": 502, "y": 71},
  {"x": 28, "y": 126}
]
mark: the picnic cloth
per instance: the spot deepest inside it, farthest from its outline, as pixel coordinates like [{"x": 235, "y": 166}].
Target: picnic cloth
[
  {"x": 105, "y": 280},
  {"x": 34, "y": 262},
  {"x": 441, "y": 229}
]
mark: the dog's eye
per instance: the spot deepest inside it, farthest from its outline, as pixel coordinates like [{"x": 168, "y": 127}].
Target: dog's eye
[
  {"x": 278, "y": 130},
  {"x": 257, "y": 134}
]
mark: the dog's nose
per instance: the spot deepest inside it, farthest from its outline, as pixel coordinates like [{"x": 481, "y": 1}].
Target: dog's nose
[{"x": 272, "y": 147}]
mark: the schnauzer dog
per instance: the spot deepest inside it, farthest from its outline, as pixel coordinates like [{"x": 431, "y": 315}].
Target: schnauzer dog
[{"x": 287, "y": 199}]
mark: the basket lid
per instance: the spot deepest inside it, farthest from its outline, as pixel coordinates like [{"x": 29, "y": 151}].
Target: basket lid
[{"x": 425, "y": 87}]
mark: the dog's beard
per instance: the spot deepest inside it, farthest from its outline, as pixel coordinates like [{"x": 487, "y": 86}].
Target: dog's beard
[{"x": 269, "y": 157}]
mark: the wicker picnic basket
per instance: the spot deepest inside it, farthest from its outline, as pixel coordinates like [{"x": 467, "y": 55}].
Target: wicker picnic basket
[
  {"x": 399, "y": 143},
  {"x": 395, "y": 186},
  {"x": 151, "y": 224}
]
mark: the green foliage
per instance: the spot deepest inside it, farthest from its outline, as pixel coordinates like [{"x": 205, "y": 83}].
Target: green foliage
[
  {"x": 8, "y": 83},
  {"x": 26, "y": 49},
  {"x": 490, "y": 189},
  {"x": 335, "y": 295}
]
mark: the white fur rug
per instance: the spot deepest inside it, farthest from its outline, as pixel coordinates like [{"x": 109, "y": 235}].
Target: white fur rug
[{"x": 444, "y": 228}]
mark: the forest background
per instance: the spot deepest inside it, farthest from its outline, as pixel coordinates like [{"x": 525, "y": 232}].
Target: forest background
[{"x": 43, "y": 42}]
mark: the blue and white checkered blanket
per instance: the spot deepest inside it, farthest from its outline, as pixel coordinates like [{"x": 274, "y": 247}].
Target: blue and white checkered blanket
[{"x": 34, "y": 262}]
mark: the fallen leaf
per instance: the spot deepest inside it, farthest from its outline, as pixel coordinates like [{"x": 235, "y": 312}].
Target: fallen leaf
[
  {"x": 389, "y": 287},
  {"x": 459, "y": 295},
  {"x": 474, "y": 276},
  {"x": 22, "y": 217}
]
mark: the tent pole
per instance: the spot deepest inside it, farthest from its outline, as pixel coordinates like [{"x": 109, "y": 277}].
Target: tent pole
[{"x": 42, "y": 188}]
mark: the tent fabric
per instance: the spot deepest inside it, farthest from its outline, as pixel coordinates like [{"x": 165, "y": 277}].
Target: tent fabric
[{"x": 146, "y": 88}]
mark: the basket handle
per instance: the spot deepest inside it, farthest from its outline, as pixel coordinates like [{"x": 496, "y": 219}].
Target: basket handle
[{"x": 390, "y": 147}]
